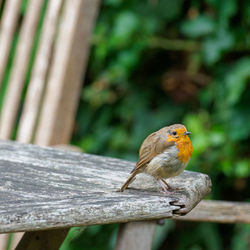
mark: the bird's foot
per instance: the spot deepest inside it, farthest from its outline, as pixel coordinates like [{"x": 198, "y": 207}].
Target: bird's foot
[{"x": 164, "y": 188}]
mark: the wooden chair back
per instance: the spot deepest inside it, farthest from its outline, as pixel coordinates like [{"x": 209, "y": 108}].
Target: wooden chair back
[
  {"x": 41, "y": 72},
  {"x": 59, "y": 32}
]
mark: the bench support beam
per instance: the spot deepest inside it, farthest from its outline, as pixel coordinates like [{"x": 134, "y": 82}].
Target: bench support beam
[
  {"x": 47, "y": 239},
  {"x": 136, "y": 235}
]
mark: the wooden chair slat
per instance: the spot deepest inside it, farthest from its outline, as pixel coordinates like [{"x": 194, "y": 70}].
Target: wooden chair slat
[
  {"x": 3, "y": 241},
  {"x": 79, "y": 43},
  {"x": 205, "y": 211},
  {"x": 15, "y": 86},
  {"x": 37, "y": 82},
  {"x": 136, "y": 236},
  {"x": 68, "y": 65},
  {"x": 220, "y": 212},
  {"x": 7, "y": 28}
]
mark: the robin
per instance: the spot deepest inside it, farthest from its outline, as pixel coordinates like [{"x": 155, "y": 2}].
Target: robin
[{"x": 163, "y": 154}]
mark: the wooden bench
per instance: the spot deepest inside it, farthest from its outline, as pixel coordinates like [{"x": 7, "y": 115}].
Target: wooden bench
[{"x": 47, "y": 189}]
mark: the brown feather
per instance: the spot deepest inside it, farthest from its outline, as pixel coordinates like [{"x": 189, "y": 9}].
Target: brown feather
[
  {"x": 130, "y": 179},
  {"x": 153, "y": 145}
]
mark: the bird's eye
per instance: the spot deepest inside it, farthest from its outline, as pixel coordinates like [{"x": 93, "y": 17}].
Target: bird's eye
[{"x": 174, "y": 133}]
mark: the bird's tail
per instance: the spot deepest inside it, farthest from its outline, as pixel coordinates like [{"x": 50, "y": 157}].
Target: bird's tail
[{"x": 128, "y": 181}]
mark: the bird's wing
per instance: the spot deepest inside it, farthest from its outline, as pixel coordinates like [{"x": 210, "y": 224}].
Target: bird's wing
[{"x": 153, "y": 145}]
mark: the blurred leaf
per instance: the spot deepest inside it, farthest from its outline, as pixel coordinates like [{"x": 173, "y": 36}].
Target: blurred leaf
[
  {"x": 207, "y": 233},
  {"x": 88, "y": 144},
  {"x": 241, "y": 238},
  {"x": 246, "y": 12},
  {"x": 242, "y": 168},
  {"x": 24, "y": 6},
  {"x": 120, "y": 139},
  {"x": 227, "y": 167},
  {"x": 72, "y": 235},
  {"x": 200, "y": 136},
  {"x": 237, "y": 79},
  {"x": 78, "y": 238},
  {"x": 161, "y": 233},
  {"x": 98, "y": 96},
  {"x": 213, "y": 47},
  {"x": 225, "y": 10},
  {"x": 199, "y": 26},
  {"x": 128, "y": 59},
  {"x": 211, "y": 236},
  {"x": 167, "y": 9},
  {"x": 236, "y": 128},
  {"x": 126, "y": 24},
  {"x": 217, "y": 138},
  {"x": 113, "y": 3},
  {"x": 228, "y": 9}
]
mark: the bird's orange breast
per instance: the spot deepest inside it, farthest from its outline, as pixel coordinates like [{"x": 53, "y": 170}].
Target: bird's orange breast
[{"x": 185, "y": 148}]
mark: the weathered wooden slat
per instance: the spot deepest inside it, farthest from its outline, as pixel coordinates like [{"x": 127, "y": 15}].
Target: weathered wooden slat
[
  {"x": 67, "y": 69},
  {"x": 10, "y": 245},
  {"x": 44, "y": 188},
  {"x": 220, "y": 211},
  {"x": 3, "y": 241},
  {"x": 15, "y": 86},
  {"x": 45, "y": 239},
  {"x": 8, "y": 25},
  {"x": 48, "y": 238},
  {"x": 136, "y": 236},
  {"x": 37, "y": 83}
]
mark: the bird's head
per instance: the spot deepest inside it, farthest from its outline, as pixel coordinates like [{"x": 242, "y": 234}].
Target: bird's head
[{"x": 177, "y": 132}]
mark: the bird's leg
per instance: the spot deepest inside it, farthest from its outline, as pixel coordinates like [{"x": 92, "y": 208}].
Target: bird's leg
[
  {"x": 166, "y": 184},
  {"x": 170, "y": 188},
  {"x": 163, "y": 187}
]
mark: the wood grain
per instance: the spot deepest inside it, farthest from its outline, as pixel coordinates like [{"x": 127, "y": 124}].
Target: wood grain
[
  {"x": 19, "y": 69},
  {"x": 136, "y": 236},
  {"x": 36, "y": 88},
  {"x": 67, "y": 72},
  {"x": 220, "y": 212},
  {"x": 7, "y": 28},
  {"x": 4, "y": 241},
  {"x": 44, "y": 188}
]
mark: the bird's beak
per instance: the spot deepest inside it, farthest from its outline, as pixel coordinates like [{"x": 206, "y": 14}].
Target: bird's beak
[{"x": 187, "y": 133}]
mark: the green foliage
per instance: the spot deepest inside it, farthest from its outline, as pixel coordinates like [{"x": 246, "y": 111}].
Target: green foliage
[
  {"x": 205, "y": 236},
  {"x": 9, "y": 67},
  {"x": 94, "y": 238},
  {"x": 241, "y": 239},
  {"x": 123, "y": 81},
  {"x": 133, "y": 87},
  {"x": 199, "y": 26},
  {"x": 161, "y": 232}
]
